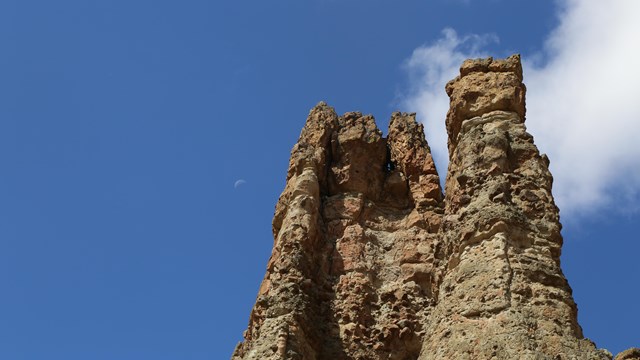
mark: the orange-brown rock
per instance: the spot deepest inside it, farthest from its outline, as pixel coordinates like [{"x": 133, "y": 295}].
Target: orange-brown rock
[
  {"x": 371, "y": 261},
  {"x": 352, "y": 273}
]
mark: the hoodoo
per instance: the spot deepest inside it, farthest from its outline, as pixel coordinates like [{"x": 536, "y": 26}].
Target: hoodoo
[{"x": 371, "y": 261}]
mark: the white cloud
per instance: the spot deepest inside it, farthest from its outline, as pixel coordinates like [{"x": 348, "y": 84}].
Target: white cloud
[{"x": 583, "y": 103}]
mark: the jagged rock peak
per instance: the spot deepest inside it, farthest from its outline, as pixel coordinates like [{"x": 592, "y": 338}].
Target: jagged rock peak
[
  {"x": 353, "y": 272},
  {"x": 371, "y": 261}
]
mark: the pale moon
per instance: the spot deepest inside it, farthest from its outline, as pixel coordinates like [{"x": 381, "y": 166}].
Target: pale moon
[{"x": 238, "y": 183}]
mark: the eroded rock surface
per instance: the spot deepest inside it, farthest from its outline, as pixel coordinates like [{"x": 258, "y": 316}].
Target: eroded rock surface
[
  {"x": 630, "y": 354},
  {"x": 371, "y": 261}
]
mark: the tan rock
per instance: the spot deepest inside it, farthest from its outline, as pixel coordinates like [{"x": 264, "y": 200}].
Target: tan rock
[
  {"x": 355, "y": 226},
  {"x": 371, "y": 261},
  {"x": 630, "y": 354}
]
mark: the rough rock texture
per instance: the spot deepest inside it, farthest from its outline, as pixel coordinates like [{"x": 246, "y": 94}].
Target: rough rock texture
[
  {"x": 631, "y": 354},
  {"x": 371, "y": 261}
]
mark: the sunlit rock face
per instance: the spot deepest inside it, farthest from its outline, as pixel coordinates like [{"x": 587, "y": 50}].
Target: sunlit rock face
[{"x": 371, "y": 260}]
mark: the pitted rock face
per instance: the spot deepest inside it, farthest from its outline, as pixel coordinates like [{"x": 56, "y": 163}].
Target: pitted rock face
[
  {"x": 484, "y": 85},
  {"x": 372, "y": 261}
]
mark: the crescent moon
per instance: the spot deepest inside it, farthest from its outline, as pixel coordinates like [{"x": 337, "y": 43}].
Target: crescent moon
[{"x": 238, "y": 183}]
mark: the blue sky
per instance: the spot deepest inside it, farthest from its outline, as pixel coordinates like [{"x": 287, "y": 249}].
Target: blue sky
[{"x": 124, "y": 126}]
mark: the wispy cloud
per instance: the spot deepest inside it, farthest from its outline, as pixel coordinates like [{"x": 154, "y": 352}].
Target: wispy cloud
[{"x": 582, "y": 102}]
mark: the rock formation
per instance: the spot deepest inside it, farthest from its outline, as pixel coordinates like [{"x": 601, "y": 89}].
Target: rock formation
[{"x": 372, "y": 261}]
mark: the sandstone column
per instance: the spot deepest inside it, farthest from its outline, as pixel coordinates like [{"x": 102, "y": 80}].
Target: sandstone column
[{"x": 503, "y": 294}]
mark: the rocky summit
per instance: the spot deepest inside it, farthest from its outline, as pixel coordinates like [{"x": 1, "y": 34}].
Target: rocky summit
[{"x": 371, "y": 260}]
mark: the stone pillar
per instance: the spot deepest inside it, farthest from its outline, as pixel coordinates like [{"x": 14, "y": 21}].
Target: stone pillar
[{"x": 503, "y": 294}]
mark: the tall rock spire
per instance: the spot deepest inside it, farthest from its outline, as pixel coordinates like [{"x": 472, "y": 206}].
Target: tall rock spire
[
  {"x": 503, "y": 292},
  {"x": 371, "y": 261}
]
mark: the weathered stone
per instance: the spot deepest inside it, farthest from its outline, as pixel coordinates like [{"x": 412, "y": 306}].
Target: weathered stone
[
  {"x": 371, "y": 261},
  {"x": 503, "y": 293},
  {"x": 630, "y": 354},
  {"x": 351, "y": 275}
]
